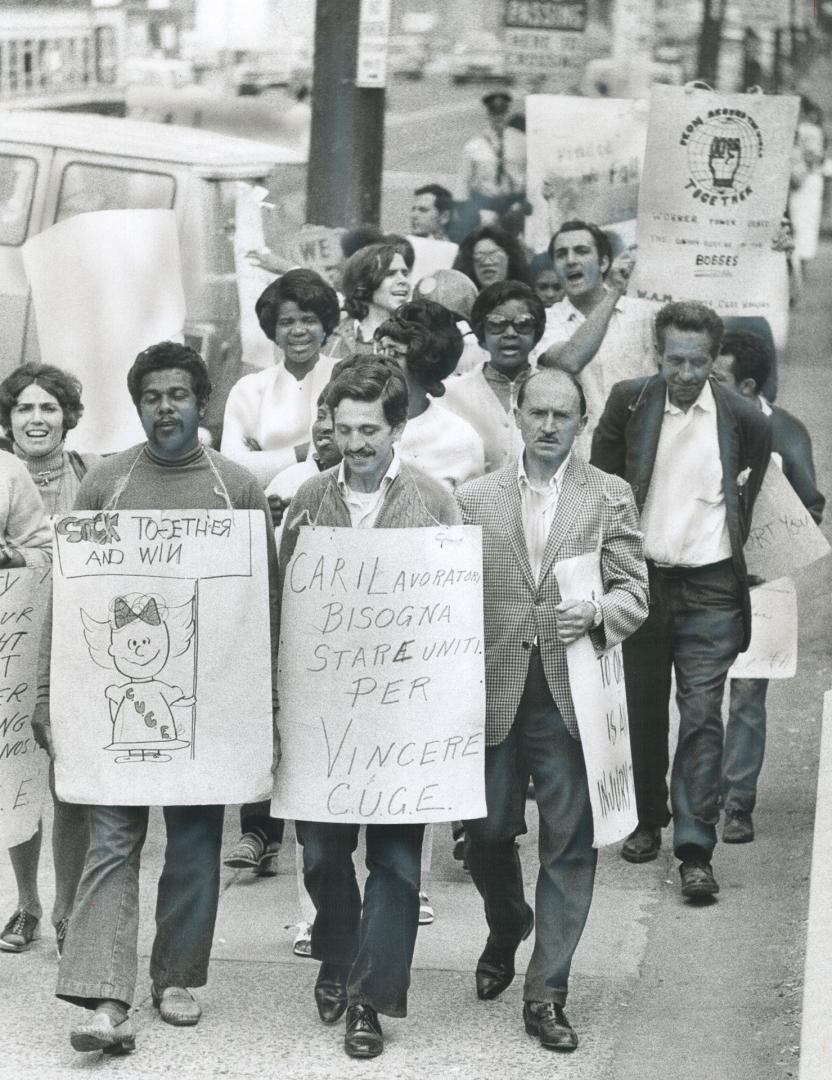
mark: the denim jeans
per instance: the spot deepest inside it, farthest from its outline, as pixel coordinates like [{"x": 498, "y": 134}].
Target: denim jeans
[
  {"x": 539, "y": 746},
  {"x": 694, "y": 627},
  {"x": 745, "y": 744},
  {"x": 99, "y": 959},
  {"x": 374, "y": 940}
]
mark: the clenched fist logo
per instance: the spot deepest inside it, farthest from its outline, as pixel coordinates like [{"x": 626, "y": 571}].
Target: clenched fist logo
[{"x": 724, "y": 160}]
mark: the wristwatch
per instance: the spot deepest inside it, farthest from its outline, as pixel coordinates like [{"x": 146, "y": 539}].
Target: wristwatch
[{"x": 599, "y": 616}]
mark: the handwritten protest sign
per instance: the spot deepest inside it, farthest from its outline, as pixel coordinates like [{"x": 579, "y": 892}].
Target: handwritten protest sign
[
  {"x": 161, "y": 666},
  {"x": 24, "y": 595},
  {"x": 599, "y": 695},
  {"x": 772, "y": 652},
  {"x": 381, "y": 677},
  {"x": 715, "y": 181},
  {"x": 121, "y": 268},
  {"x": 783, "y": 535},
  {"x": 318, "y": 248},
  {"x": 584, "y": 162}
]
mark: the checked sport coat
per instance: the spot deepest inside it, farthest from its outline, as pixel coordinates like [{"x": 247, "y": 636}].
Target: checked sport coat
[{"x": 595, "y": 510}]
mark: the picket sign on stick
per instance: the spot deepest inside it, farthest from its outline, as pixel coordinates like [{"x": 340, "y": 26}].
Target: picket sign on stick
[
  {"x": 772, "y": 651},
  {"x": 381, "y": 677},
  {"x": 161, "y": 660},
  {"x": 24, "y": 596},
  {"x": 783, "y": 536},
  {"x": 599, "y": 695},
  {"x": 714, "y": 184},
  {"x": 584, "y": 161}
]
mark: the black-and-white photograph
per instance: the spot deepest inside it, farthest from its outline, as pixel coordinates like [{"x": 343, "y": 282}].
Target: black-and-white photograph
[{"x": 415, "y": 650}]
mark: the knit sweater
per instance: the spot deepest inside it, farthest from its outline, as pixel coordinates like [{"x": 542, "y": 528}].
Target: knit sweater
[
  {"x": 413, "y": 500},
  {"x": 136, "y": 479},
  {"x": 56, "y": 476}
]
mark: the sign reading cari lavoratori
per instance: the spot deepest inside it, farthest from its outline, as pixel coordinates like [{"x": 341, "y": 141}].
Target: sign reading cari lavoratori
[
  {"x": 714, "y": 184},
  {"x": 381, "y": 677},
  {"x": 24, "y": 596},
  {"x": 161, "y": 660},
  {"x": 599, "y": 695}
]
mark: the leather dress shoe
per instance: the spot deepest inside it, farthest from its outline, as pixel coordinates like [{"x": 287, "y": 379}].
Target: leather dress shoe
[
  {"x": 363, "y": 1038},
  {"x": 698, "y": 879},
  {"x": 643, "y": 843},
  {"x": 547, "y": 1020},
  {"x": 331, "y": 992},
  {"x": 495, "y": 967}
]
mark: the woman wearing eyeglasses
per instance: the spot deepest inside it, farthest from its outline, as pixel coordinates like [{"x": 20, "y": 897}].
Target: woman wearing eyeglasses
[
  {"x": 508, "y": 319},
  {"x": 490, "y": 254}
]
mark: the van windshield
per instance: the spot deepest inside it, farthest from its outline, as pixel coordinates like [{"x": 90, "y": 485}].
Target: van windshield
[{"x": 17, "y": 183}]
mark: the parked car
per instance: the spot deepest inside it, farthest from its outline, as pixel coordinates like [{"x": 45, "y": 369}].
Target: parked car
[
  {"x": 407, "y": 55},
  {"x": 478, "y": 57},
  {"x": 54, "y": 165}
]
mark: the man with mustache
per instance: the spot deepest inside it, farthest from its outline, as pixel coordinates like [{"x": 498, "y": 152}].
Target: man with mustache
[
  {"x": 695, "y": 455},
  {"x": 545, "y": 505},
  {"x": 170, "y": 388},
  {"x": 365, "y": 949}
]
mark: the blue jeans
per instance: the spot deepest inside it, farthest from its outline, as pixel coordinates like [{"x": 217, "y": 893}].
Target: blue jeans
[
  {"x": 745, "y": 744},
  {"x": 99, "y": 959},
  {"x": 539, "y": 746},
  {"x": 373, "y": 941},
  {"x": 694, "y": 626}
]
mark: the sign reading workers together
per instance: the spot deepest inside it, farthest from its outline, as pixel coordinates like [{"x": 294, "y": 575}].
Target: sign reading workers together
[{"x": 381, "y": 677}]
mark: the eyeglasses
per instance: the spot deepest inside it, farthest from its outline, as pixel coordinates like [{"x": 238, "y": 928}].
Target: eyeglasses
[
  {"x": 489, "y": 255},
  {"x": 498, "y": 324}
]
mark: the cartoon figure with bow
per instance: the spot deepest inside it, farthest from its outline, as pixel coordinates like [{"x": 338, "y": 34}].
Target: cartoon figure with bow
[{"x": 139, "y": 635}]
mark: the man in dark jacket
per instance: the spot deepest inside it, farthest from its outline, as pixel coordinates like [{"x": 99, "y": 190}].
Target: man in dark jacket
[
  {"x": 695, "y": 456},
  {"x": 744, "y": 365}
]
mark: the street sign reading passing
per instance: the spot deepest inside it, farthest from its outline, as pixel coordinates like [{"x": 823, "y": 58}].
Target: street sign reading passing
[
  {"x": 545, "y": 37},
  {"x": 546, "y": 14}
]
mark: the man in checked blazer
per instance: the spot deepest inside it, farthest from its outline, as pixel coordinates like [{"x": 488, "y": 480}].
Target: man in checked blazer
[{"x": 542, "y": 507}]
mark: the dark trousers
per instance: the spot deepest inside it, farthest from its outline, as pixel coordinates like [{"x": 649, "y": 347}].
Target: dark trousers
[
  {"x": 539, "y": 746},
  {"x": 99, "y": 958},
  {"x": 255, "y": 818},
  {"x": 374, "y": 941},
  {"x": 694, "y": 627},
  {"x": 745, "y": 744}
]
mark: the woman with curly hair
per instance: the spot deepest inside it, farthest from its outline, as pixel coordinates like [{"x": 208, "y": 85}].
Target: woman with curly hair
[
  {"x": 424, "y": 338},
  {"x": 39, "y": 404},
  {"x": 376, "y": 283},
  {"x": 269, "y": 414},
  {"x": 490, "y": 254}
]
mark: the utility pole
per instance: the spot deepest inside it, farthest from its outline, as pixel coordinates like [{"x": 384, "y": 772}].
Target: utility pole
[
  {"x": 347, "y": 141},
  {"x": 713, "y": 12}
]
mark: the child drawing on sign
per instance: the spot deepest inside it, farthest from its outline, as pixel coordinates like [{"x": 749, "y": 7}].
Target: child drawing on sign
[{"x": 137, "y": 639}]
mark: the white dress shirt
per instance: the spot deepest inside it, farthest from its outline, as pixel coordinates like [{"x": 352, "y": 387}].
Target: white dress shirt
[
  {"x": 683, "y": 520},
  {"x": 538, "y": 505},
  {"x": 364, "y": 506},
  {"x": 480, "y": 164}
]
